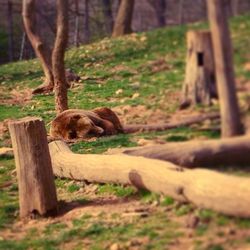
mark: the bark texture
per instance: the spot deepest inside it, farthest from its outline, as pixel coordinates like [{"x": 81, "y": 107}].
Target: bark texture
[
  {"x": 60, "y": 81},
  {"x": 210, "y": 153},
  {"x": 52, "y": 61},
  {"x": 37, "y": 193},
  {"x": 230, "y": 115},
  {"x": 204, "y": 188},
  {"x": 42, "y": 51},
  {"x": 123, "y": 20},
  {"x": 199, "y": 86}
]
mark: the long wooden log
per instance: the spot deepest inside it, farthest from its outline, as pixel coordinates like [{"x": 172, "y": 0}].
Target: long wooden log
[
  {"x": 205, "y": 188},
  {"x": 165, "y": 126},
  {"x": 210, "y": 153}
]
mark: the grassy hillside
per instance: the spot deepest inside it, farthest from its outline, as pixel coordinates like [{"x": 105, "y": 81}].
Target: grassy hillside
[{"x": 140, "y": 77}]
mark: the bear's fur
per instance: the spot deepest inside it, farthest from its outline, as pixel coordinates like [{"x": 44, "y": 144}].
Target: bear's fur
[{"x": 74, "y": 124}]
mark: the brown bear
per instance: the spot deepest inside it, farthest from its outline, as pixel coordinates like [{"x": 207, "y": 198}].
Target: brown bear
[{"x": 74, "y": 124}]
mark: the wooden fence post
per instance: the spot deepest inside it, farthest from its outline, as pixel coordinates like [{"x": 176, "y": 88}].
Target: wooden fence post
[
  {"x": 37, "y": 192},
  {"x": 230, "y": 115}
]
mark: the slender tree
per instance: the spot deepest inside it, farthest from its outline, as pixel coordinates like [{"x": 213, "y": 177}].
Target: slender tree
[
  {"x": 123, "y": 20},
  {"x": 60, "y": 45},
  {"x": 229, "y": 109},
  {"x": 107, "y": 12},
  {"x": 10, "y": 30},
  {"x": 42, "y": 51},
  {"x": 76, "y": 36},
  {"x": 180, "y": 10},
  {"x": 86, "y": 31},
  {"x": 160, "y": 8},
  {"x": 52, "y": 61}
]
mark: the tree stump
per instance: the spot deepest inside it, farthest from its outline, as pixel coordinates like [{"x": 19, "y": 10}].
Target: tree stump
[
  {"x": 37, "y": 193},
  {"x": 200, "y": 84}
]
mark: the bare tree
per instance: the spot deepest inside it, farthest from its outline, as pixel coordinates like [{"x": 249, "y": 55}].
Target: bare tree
[
  {"x": 60, "y": 45},
  {"x": 10, "y": 30},
  {"x": 124, "y": 18},
  {"x": 43, "y": 52},
  {"x": 234, "y": 5},
  {"x": 180, "y": 10},
  {"x": 86, "y": 32},
  {"x": 230, "y": 115},
  {"x": 76, "y": 37},
  {"x": 52, "y": 61},
  {"x": 22, "y": 46},
  {"x": 108, "y": 18},
  {"x": 160, "y": 8}
]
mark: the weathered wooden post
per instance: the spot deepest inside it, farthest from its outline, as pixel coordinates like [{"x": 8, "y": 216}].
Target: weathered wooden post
[
  {"x": 37, "y": 193},
  {"x": 230, "y": 115},
  {"x": 199, "y": 85}
]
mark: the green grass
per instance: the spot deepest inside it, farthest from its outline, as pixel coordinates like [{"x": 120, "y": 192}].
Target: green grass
[
  {"x": 100, "y": 233},
  {"x": 123, "y": 64},
  {"x": 102, "y": 144},
  {"x": 118, "y": 190},
  {"x": 8, "y": 195}
]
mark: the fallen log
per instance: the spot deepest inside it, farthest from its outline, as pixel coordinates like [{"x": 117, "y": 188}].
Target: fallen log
[
  {"x": 210, "y": 153},
  {"x": 165, "y": 126},
  {"x": 75, "y": 124},
  {"x": 204, "y": 188}
]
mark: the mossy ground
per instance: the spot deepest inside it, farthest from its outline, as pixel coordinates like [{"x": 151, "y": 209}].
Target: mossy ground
[{"x": 152, "y": 65}]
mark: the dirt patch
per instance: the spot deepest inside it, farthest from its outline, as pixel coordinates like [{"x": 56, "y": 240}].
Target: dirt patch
[
  {"x": 127, "y": 208},
  {"x": 120, "y": 68},
  {"x": 158, "y": 65},
  {"x": 4, "y": 128},
  {"x": 17, "y": 97},
  {"x": 142, "y": 115},
  {"x": 139, "y": 114}
]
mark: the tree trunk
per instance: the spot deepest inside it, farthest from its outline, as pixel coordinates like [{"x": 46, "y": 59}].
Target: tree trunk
[
  {"x": 37, "y": 193},
  {"x": 210, "y": 153},
  {"x": 159, "y": 7},
  {"x": 107, "y": 12},
  {"x": 123, "y": 20},
  {"x": 180, "y": 10},
  {"x": 204, "y": 188},
  {"x": 10, "y": 31},
  {"x": 199, "y": 86},
  {"x": 86, "y": 31},
  {"x": 234, "y": 5},
  {"x": 40, "y": 48},
  {"x": 22, "y": 46},
  {"x": 61, "y": 99},
  {"x": 76, "y": 37},
  {"x": 160, "y": 10},
  {"x": 230, "y": 115}
]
